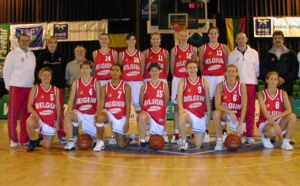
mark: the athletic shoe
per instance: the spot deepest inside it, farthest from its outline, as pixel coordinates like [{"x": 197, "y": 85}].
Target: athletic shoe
[
  {"x": 292, "y": 142},
  {"x": 179, "y": 141},
  {"x": 132, "y": 136},
  {"x": 273, "y": 139},
  {"x": 13, "y": 145},
  {"x": 143, "y": 147},
  {"x": 94, "y": 143},
  {"x": 219, "y": 145},
  {"x": 183, "y": 147},
  {"x": 250, "y": 140},
  {"x": 165, "y": 136},
  {"x": 70, "y": 145},
  {"x": 24, "y": 144},
  {"x": 286, "y": 145},
  {"x": 38, "y": 142},
  {"x": 224, "y": 136},
  {"x": 266, "y": 142},
  {"x": 62, "y": 140},
  {"x": 206, "y": 138},
  {"x": 175, "y": 138},
  {"x": 31, "y": 145},
  {"x": 112, "y": 140},
  {"x": 99, "y": 146}
]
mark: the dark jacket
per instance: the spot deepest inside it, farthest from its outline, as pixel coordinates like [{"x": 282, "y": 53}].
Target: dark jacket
[
  {"x": 56, "y": 62},
  {"x": 287, "y": 68}
]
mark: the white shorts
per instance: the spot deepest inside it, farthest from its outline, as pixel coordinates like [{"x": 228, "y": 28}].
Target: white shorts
[
  {"x": 117, "y": 124},
  {"x": 263, "y": 124},
  {"x": 198, "y": 124},
  {"x": 46, "y": 129},
  {"x": 232, "y": 126},
  {"x": 104, "y": 82},
  {"x": 175, "y": 83},
  {"x": 135, "y": 92},
  {"x": 163, "y": 80},
  {"x": 87, "y": 121},
  {"x": 154, "y": 127},
  {"x": 213, "y": 82}
]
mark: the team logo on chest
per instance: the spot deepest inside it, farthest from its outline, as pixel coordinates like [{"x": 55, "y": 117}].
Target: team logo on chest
[
  {"x": 150, "y": 57},
  {"x": 189, "y": 90},
  {"x": 109, "y": 95},
  {"x": 179, "y": 56},
  {"x": 224, "y": 97},
  {"x": 42, "y": 96},
  {"x": 267, "y": 105},
  {"x": 209, "y": 53}
]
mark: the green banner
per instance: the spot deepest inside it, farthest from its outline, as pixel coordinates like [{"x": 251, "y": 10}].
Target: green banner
[{"x": 4, "y": 41}]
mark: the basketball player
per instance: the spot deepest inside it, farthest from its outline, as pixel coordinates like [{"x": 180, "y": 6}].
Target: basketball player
[
  {"x": 276, "y": 117},
  {"x": 179, "y": 55},
  {"x": 133, "y": 62},
  {"x": 104, "y": 58},
  {"x": 156, "y": 54},
  {"x": 154, "y": 97},
  {"x": 231, "y": 104},
  {"x": 194, "y": 106},
  {"x": 44, "y": 106},
  {"x": 213, "y": 59},
  {"x": 114, "y": 108},
  {"x": 86, "y": 90}
]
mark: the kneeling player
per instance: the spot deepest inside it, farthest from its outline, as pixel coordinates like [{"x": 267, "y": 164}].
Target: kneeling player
[
  {"x": 114, "y": 108},
  {"x": 154, "y": 97},
  {"x": 86, "y": 90},
  {"x": 231, "y": 104},
  {"x": 43, "y": 103},
  {"x": 276, "y": 117},
  {"x": 194, "y": 106}
]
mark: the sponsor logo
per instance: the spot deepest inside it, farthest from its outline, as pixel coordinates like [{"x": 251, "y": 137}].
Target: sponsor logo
[
  {"x": 263, "y": 27},
  {"x": 61, "y": 31},
  {"x": 46, "y": 112},
  {"x": 195, "y": 105},
  {"x": 85, "y": 107},
  {"x": 133, "y": 73},
  {"x": 154, "y": 108},
  {"x": 103, "y": 72},
  {"x": 214, "y": 67},
  {"x": 115, "y": 110}
]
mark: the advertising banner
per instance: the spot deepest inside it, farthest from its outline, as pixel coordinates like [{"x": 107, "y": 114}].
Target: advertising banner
[{"x": 4, "y": 41}]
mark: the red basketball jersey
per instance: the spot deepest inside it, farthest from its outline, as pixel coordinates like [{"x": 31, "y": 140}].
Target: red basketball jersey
[
  {"x": 232, "y": 99},
  {"x": 154, "y": 101},
  {"x": 194, "y": 97},
  {"x": 274, "y": 105},
  {"x": 156, "y": 57},
  {"x": 131, "y": 66},
  {"x": 115, "y": 99},
  {"x": 181, "y": 56},
  {"x": 103, "y": 63},
  {"x": 45, "y": 104},
  {"x": 86, "y": 99},
  {"x": 214, "y": 60}
]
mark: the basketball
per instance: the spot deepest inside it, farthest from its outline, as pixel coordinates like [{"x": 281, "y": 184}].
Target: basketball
[
  {"x": 84, "y": 141},
  {"x": 156, "y": 142},
  {"x": 233, "y": 142}
]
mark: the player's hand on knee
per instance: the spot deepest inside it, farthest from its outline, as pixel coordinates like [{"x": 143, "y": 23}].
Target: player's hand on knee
[
  {"x": 181, "y": 111},
  {"x": 126, "y": 127},
  {"x": 271, "y": 119},
  {"x": 234, "y": 118}
]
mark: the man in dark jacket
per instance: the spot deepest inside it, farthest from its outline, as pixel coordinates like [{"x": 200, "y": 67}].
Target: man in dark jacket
[{"x": 283, "y": 61}]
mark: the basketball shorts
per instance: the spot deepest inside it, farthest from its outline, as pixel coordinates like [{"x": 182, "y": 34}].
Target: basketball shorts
[
  {"x": 175, "y": 83},
  {"x": 117, "y": 124},
  {"x": 213, "y": 82},
  {"x": 232, "y": 125},
  {"x": 154, "y": 127},
  {"x": 263, "y": 124},
  {"x": 87, "y": 121},
  {"x": 135, "y": 92},
  {"x": 198, "y": 124},
  {"x": 46, "y": 129}
]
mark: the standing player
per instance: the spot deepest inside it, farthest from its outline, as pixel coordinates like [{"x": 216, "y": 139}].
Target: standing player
[
  {"x": 231, "y": 104},
  {"x": 44, "y": 105},
  {"x": 133, "y": 62},
  {"x": 114, "y": 108},
  {"x": 104, "y": 58},
  {"x": 194, "y": 106},
  {"x": 276, "y": 117},
  {"x": 179, "y": 55},
  {"x": 86, "y": 91},
  {"x": 213, "y": 58},
  {"x": 154, "y": 97}
]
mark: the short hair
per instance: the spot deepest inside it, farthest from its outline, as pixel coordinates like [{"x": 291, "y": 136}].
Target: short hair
[
  {"x": 23, "y": 35},
  {"x": 45, "y": 69},
  {"x": 80, "y": 46},
  {"x": 237, "y": 70},
  {"x": 213, "y": 27},
  {"x": 51, "y": 38},
  {"x": 278, "y": 33},
  {"x": 87, "y": 62},
  {"x": 153, "y": 65},
  {"x": 272, "y": 73},
  {"x": 118, "y": 65},
  {"x": 190, "y": 61},
  {"x": 129, "y": 36}
]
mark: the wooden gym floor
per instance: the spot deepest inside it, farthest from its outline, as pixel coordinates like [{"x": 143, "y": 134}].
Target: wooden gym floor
[{"x": 57, "y": 167}]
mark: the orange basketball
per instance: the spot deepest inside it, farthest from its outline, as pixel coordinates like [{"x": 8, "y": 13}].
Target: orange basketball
[
  {"x": 84, "y": 141},
  {"x": 233, "y": 142},
  {"x": 156, "y": 142}
]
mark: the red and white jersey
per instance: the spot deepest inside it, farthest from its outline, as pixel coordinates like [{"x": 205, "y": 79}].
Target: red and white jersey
[
  {"x": 232, "y": 99},
  {"x": 86, "y": 99},
  {"x": 131, "y": 66},
  {"x": 45, "y": 104},
  {"x": 214, "y": 60},
  {"x": 181, "y": 56},
  {"x": 156, "y": 57},
  {"x": 194, "y": 97},
  {"x": 115, "y": 101},
  {"x": 154, "y": 101},
  {"x": 274, "y": 105},
  {"x": 103, "y": 63}
]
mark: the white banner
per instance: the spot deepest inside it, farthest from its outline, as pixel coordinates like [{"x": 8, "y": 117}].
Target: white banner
[
  {"x": 36, "y": 33},
  {"x": 77, "y": 31},
  {"x": 265, "y": 26}
]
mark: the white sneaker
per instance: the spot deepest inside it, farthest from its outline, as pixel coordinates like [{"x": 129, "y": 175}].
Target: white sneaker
[
  {"x": 183, "y": 147},
  {"x": 219, "y": 145},
  {"x": 166, "y": 139},
  {"x": 13, "y": 145},
  {"x": 250, "y": 140},
  {"x": 286, "y": 144},
  {"x": 224, "y": 136},
  {"x": 206, "y": 138},
  {"x": 112, "y": 141},
  {"x": 266, "y": 142},
  {"x": 179, "y": 141},
  {"x": 99, "y": 146},
  {"x": 70, "y": 145}
]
